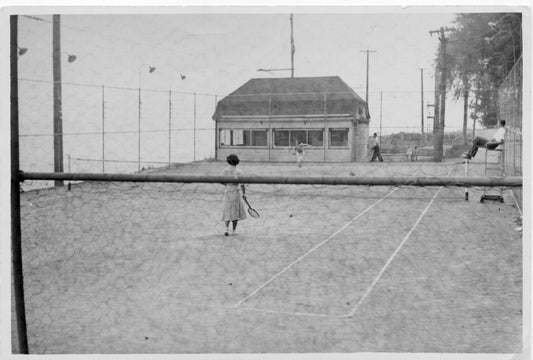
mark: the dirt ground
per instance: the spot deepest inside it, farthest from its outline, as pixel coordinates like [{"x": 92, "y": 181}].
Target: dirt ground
[{"x": 123, "y": 268}]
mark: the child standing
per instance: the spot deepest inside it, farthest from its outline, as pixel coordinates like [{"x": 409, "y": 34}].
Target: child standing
[
  {"x": 233, "y": 207},
  {"x": 299, "y": 151}
]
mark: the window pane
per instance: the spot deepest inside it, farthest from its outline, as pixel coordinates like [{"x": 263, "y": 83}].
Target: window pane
[
  {"x": 238, "y": 137},
  {"x": 246, "y": 138},
  {"x": 225, "y": 137},
  {"x": 316, "y": 137},
  {"x": 259, "y": 138},
  {"x": 339, "y": 137},
  {"x": 298, "y": 135},
  {"x": 281, "y": 137}
]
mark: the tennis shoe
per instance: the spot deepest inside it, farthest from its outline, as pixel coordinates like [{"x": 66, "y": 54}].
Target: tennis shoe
[
  {"x": 466, "y": 156},
  {"x": 234, "y": 232}
]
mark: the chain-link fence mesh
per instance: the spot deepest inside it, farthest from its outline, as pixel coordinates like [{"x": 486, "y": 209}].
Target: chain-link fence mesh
[
  {"x": 130, "y": 267},
  {"x": 113, "y": 129},
  {"x": 510, "y": 110}
]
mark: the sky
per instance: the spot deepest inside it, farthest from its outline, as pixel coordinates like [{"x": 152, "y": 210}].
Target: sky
[{"x": 218, "y": 50}]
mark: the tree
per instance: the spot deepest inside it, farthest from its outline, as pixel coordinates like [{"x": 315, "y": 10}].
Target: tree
[{"x": 479, "y": 55}]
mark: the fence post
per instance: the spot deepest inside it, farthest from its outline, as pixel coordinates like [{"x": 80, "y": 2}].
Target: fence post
[
  {"x": 194, "y": 131},
  {"x": 169, "y": 126},
  {"x": 139, "y": 134},
  {"x": 326, "y": 135},
  {"x": 270, "y": 131},
  {"x": 216, "y": 130},
  {"x": 16, "y": 242},
  {"x": 103, "y": 131}
]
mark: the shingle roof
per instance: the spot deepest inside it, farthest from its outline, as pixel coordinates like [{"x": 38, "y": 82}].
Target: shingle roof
[{"x": 291, "y": 96}]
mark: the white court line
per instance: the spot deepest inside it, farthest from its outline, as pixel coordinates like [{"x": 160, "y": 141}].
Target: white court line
[
  {"x": 293, "y": 313},
  {"x": 369, "y": 290},
  {"x": 313, "y": 249}
]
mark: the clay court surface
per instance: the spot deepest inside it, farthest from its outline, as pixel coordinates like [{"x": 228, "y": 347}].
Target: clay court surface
[{"x": 145, "y": 268}]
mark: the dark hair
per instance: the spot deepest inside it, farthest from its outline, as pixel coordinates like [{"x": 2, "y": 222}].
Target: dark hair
[
  {"x": 375, "y": 134},
  {"x": 233, "y": 160},
  {"x": 502, "y": 122}
]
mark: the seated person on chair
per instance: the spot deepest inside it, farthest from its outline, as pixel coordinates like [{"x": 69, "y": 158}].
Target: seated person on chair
[{"x": 492, "y": 144}]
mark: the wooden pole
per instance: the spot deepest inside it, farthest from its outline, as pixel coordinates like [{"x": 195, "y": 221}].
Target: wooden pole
[
  {"x": 58, "y": 120},
  {"x": 293, "y": 49},
  {"x": 380, "y": 114},
  {"x": 16, "y": 242},
  {"x": 465, "y": 108},
  {"x": 367, "y": 71}
]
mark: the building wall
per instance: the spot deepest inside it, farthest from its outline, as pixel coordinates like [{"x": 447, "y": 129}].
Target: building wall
[
  {"x": 361, "y": 141},
  {"x": 283, "y": 154}
]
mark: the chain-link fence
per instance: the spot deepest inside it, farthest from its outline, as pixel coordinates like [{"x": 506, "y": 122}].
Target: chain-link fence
[
  {"x": 115, "y": 129},
  {"x": 510, "y": 110}
]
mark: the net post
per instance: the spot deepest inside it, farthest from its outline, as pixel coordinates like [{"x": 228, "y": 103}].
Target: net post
[{"x": 16, "y": 242}]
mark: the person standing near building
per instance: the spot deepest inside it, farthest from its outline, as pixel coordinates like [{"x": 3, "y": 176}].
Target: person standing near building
[
  {"x": 299, "y": 151},
  {"x": 376, "y": 150},
  {"x": 497, "y": 140}
]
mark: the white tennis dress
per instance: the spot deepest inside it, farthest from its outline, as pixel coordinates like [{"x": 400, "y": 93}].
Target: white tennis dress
[{"x": 233, "y": 205}]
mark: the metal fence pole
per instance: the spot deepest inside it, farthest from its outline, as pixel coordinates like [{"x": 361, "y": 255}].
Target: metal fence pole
[
  {"x": 16, "y": 235},
  {"x": 139, "y": 134},
  {"x": 103, "y": 130},
  {"x": 169, "y": 126},
  {"x": 194, "y": 131},
  {"x": 216, "y": 130},
  {"x": 326, "y": 135},
  {"x": 270, "y": 131}
]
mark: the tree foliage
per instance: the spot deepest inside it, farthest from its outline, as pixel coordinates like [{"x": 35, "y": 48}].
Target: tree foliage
[{"x": 479, "y": 55}]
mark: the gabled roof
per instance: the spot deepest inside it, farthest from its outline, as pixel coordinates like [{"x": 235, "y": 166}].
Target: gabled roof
[{"x": 291, "y": 96}]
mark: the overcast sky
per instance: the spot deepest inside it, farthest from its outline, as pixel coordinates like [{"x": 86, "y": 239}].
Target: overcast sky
[{"x": 220, "y": 49}]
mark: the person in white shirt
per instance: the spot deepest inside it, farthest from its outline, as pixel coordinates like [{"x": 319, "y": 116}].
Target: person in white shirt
[
  {"x": 497, "y": 139},
  {"x": 376, "y": 151}
]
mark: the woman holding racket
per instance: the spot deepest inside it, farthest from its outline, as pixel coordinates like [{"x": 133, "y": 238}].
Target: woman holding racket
[{"x": 233, "y": 206}]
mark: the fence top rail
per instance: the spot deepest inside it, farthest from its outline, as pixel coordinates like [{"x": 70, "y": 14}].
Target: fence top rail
[{"x": 287, "y": 180}]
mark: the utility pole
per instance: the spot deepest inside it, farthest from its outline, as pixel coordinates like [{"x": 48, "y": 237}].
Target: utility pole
[
  {"x": 422, "y": 99},
  {"x": 439, "y": 133},
  {"x": 367, "y": 67},
  {"x": 58, "y": 117},
  {"x": 465, "y": 107},
  {"x": 380, "y": 114},
  {"x": 293, "y": 49}
]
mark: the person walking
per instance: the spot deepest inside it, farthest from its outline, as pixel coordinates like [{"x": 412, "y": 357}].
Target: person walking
[
  {"x": 233, "y": 208},
  {"x": 376, "y": 151}
]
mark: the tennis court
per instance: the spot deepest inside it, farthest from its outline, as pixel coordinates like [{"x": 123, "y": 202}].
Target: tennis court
[{"x": 145, "y": 268}]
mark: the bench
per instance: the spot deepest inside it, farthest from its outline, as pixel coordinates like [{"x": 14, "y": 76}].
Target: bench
[
  {"x": 420, "y": 154},
  {"x": 395, "y": 157},
  {"x": 424, "y": 153}
]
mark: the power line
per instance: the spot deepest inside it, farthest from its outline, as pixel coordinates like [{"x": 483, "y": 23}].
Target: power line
[{"x": 107, "y": 36}]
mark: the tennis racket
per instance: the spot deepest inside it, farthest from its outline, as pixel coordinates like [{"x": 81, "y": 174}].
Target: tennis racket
[{"x": 253, "y": 213}]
